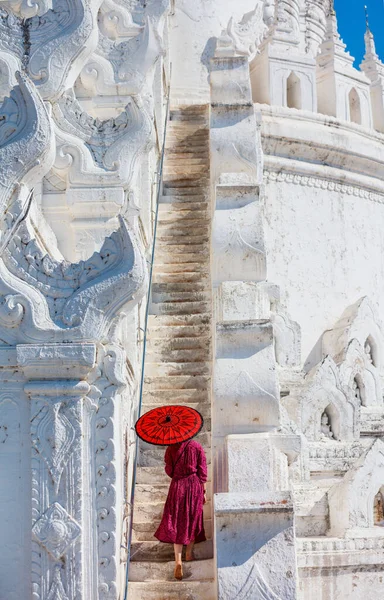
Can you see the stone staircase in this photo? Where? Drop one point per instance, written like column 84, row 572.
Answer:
column 178, row 362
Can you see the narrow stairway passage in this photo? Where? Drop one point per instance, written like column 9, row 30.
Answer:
column 178, row 361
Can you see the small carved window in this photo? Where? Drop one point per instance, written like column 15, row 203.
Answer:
column 293, row 91
column 378, row 509
column 354, row 107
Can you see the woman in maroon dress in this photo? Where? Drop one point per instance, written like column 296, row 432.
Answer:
column 182, row 521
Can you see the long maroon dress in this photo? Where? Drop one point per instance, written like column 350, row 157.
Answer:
column 182, row 521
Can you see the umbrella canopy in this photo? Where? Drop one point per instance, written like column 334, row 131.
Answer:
column 169, row 425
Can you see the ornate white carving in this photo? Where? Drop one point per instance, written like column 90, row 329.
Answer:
column 61, row 296
column 53, row 435
column 361, row 322
column 28, row 8
column 53, row 47
column 316, row 24
column 57, row 591
column 243, row 38
column 351, row 502
column 324, row 184
column 56, row 530
column 89, row 148
column 26, row 141
column 359, row 374
column 116, row 22
column 323, row 391
column 124, row 68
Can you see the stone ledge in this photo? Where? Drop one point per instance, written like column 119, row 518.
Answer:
column 244, row 502
column 56, row 361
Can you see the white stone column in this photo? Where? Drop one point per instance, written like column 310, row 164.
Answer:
column 63, row 552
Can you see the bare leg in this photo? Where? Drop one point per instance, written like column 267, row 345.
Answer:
column 178, row 548
column 189, row 551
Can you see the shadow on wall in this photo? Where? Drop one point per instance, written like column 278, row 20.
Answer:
column 208, row 53
column 315, row 356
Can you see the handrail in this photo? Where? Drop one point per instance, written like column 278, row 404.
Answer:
column 159, row 191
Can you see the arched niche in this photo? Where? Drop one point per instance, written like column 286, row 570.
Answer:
column 360, row 322
column 294, row 91
column 371, row 350
column 354, row 106
column 330, row 423
column 358, row 389
column 352, row 501
column 378, row 508
column 324, row 392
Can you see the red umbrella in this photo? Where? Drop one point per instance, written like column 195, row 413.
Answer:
column 169, row 425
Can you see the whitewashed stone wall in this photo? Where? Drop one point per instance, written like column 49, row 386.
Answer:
column 83, row 86
column 319, row 234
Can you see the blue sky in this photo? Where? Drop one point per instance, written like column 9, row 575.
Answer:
column 351, row 20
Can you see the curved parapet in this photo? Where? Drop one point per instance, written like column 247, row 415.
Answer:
column 50, row 300
column 53, row 44
column 26, row 140
column 111, row 145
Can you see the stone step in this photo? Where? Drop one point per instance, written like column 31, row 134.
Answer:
column 186, row 167
column 191, row 396
column 172, row 590
column 177, row 297
column 163, row 249
column 189, row 109
column 175, row 207
column 157, row 475
column 196, row 181
column 144, row 532
column 186, row 239
column 185, row 144
column 183, row 258
column 197, row 570
column 202, row 197
column 188, row 117
column 187, row 151
column 204, row 408
column 195, row 216
column 180, row 308
column 189, row 159
column 177, row 332
column 166, row 344
column 188, row 123
column 179, row 320
column 182, row 268
column 159, row 552
column 183, row 228
column 178, row 355
column 178, row 368
column 164, row 278
column 182, row 179
column 179, row 286
column 187, row 134
column 173, row 190
column 177, row 382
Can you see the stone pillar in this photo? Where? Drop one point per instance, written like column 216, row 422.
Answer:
column 63, row 544
column 254, row 533
column 255, row 546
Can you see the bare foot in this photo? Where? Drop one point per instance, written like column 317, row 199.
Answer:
column 179, row 572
